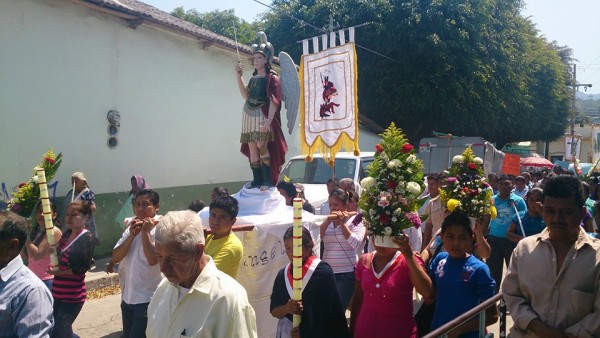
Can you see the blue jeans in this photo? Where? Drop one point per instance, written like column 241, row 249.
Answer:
column 345, row 285
column 64, row 315
column 48, row 283
column 135, row 319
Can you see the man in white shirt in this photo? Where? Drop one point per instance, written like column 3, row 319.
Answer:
column 139, row 271
column 195, row 299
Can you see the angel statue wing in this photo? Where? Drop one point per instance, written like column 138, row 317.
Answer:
column 290, row 88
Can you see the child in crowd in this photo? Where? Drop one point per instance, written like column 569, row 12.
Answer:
column 222, row 244
column 460, row 280
column 529, row 220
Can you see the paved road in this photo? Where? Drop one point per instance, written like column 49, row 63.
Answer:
column 100, row 318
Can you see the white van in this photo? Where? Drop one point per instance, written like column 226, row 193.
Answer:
column 314, row 175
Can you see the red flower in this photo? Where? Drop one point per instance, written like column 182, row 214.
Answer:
column 22, row 184
column 392, row 184
column 472, row 166
column 407, row 148
column 379, row 148
column 474, row 192
column 384, row 219
column 49, row 160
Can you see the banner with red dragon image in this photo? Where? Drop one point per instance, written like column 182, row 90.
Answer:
column 329, row 104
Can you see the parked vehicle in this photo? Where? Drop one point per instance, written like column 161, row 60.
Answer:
column 437, row 153
column 314, row 175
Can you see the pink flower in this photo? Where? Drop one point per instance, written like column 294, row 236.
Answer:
column 451, row 180
column 413, row 218
column 383, row 202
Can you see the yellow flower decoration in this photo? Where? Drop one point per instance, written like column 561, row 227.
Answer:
column 493, row 212
column 453, row 204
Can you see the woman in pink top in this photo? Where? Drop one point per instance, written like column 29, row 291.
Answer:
column 382, row 301
column 37, row 248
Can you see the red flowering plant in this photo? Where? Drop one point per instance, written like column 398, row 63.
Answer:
column 465, row 189
column 394, row 181
column 26, row 194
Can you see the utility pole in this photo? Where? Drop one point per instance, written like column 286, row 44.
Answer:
column 575, row 86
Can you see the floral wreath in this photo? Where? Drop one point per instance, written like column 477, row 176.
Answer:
column 465, row 188
column 26, row 194
column 394, row 181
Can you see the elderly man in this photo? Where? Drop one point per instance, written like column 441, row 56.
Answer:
column 26, row 303
column 552, row 288
column 195, row 299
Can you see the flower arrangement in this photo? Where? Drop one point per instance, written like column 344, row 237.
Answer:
column 26, row 194
column 394, row 181
column 465, row 188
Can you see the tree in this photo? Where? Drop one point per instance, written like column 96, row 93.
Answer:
column 221, row 22
column 473, row 67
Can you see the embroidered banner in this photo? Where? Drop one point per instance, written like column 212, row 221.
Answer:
column 329, row 103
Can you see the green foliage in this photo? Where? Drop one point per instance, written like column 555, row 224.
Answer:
column 392, row 186
column 465, row 188
column 221, row 22
column 26, row 194
column 474, row 67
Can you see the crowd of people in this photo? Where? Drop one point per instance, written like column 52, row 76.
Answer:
column 177, row 281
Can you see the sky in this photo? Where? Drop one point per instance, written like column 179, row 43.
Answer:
column 573, row 23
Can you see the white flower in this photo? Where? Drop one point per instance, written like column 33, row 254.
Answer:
column 394, row 219
column 368, row 182
column 398, row 212
column 387, row 231
column 411, row 158
column 393, row 164
column 35, row 179
column 458, row 159
column 372, row 213
column 478, row 160
column 413, row 188
column 14, row 200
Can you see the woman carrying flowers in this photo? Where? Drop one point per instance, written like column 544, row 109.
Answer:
column 37, row 248
column 341, row 239
column 382, row 301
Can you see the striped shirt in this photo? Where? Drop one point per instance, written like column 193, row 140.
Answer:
column 78, row 258
column 339, row 252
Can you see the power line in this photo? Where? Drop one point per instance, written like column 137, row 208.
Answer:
column 321, row 30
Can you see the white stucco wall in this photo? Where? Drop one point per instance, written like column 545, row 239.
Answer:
column 63, row 67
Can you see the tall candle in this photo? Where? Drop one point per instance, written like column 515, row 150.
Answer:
column 297, row 257
column 48, row 223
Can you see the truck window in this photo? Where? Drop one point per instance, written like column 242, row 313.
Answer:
column 317, row 171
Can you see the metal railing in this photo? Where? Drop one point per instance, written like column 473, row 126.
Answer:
column 479, row 310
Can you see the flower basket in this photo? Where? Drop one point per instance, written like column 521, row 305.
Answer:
column 390, row 191
column 465, row 188
column 26, row 194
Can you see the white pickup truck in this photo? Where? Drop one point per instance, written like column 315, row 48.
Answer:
column 314, row 175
